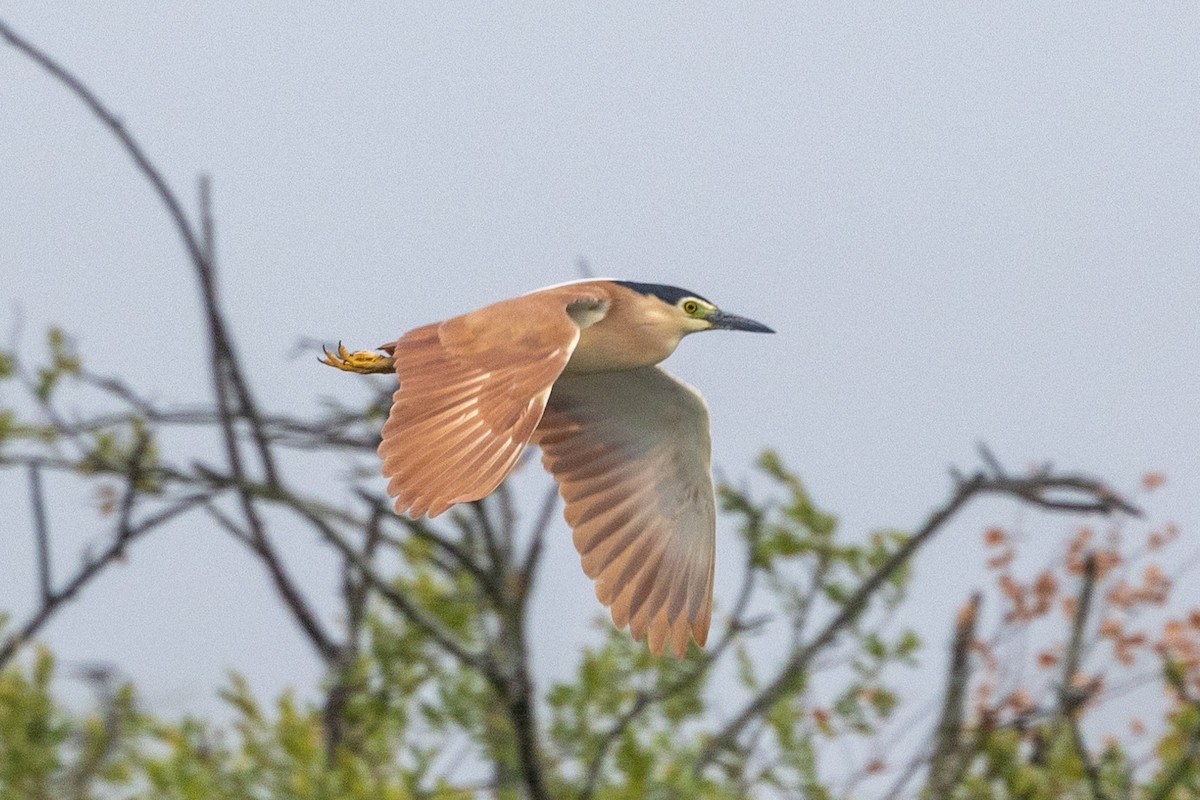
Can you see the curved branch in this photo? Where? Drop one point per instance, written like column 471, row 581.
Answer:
column 190, row 241
column 1033, row 489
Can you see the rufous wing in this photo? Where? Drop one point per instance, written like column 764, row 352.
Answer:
column 472, row 390
column 631, row 453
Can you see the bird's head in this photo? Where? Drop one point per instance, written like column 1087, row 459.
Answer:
column 690, row 311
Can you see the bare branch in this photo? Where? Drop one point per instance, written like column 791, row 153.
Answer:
column 117, row 388
column 208, row 235
column 230, row 526
column 41, row 531
column 1071, row 695
column 459, row 555
column 355, row 592
column 261, row 544
column 989, row 459
column 1038, row 490
column 292, row 597
column 225, row 368
column 405, row 605
column 491, row 541
column 354, row 586
column 949, row 759
column 114, row 124
column 227, row 372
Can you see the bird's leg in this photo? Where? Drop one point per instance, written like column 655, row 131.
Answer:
column 361, row 361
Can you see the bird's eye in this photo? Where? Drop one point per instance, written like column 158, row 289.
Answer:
column 690, row 306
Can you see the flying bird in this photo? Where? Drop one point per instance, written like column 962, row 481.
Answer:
column 572, row 369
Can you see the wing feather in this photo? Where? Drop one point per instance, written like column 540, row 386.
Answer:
column 472, row 391
column 630, row 452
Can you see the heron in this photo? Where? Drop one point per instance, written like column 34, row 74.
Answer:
column 572, row 368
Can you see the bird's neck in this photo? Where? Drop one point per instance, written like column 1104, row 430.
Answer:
column 616, row 342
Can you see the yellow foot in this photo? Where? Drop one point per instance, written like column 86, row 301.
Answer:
column 362, row 361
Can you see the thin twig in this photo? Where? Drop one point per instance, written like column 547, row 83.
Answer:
column 355, row 592
column 117, row 388
column 1034, row 490
column 225, row 370
column 41, row 531
column 133, row 478
column 537, row 537
column 231, row 527
column 461, row 557
column 355, row 587
column 495, row 549
column 110, row 120
column 326, row 432
column 90, row 569
column 989, row 459
column 226, row 366
column 399, row 600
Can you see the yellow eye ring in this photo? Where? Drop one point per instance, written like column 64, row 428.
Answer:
column 690, row 306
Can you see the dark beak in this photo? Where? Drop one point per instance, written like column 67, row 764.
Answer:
column 732, row 322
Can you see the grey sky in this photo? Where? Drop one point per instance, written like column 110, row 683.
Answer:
column 966, row 222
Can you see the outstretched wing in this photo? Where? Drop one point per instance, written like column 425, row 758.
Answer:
column 630, row 451
column 472, row 390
